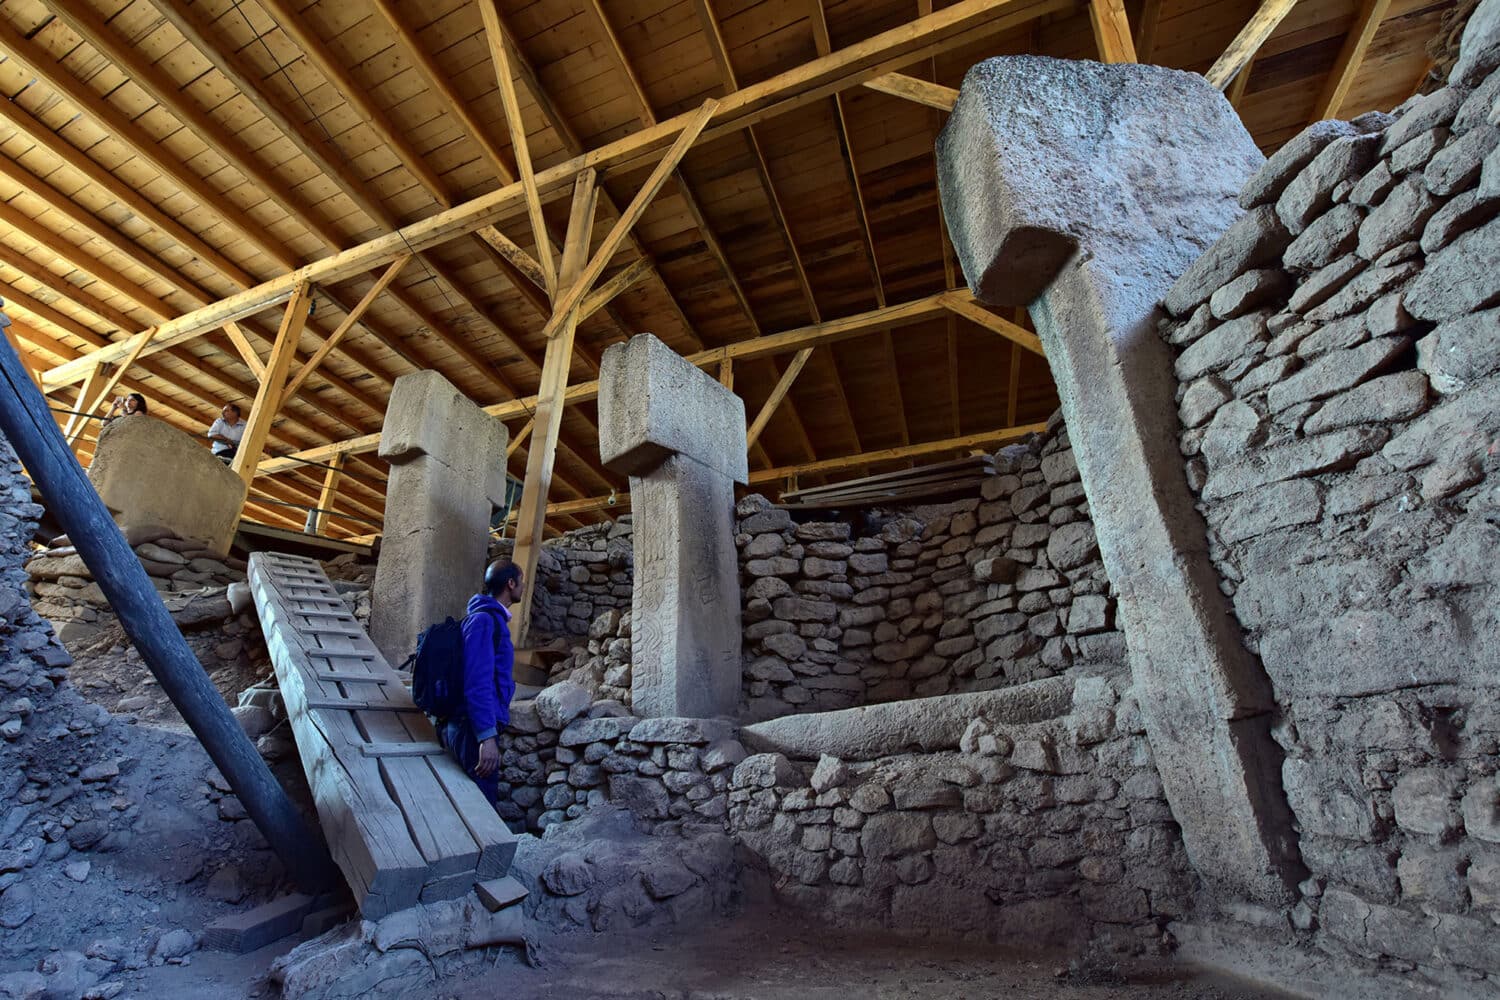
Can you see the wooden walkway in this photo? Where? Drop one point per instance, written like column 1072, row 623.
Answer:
column 403, row 821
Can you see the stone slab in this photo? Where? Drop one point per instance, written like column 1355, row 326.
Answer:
column 447, row 474
column 148, row 473
column 654, row 403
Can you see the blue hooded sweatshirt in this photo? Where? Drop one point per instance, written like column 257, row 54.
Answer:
column 489, row 662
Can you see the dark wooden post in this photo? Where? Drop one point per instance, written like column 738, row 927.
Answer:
column 71, row 497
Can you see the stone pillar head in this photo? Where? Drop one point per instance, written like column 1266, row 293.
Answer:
column 680, row 436
column 1044, row 159
column 447, row 475
column 428, row 416
column 653, row 403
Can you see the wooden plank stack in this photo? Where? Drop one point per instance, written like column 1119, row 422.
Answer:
column 959, row 477
column 402, row 820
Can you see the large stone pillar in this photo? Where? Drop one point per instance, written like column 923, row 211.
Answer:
column 447, row 475
column 680, row 437
column 1083, row 191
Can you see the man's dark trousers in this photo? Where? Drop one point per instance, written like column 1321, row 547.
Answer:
column 458, row 737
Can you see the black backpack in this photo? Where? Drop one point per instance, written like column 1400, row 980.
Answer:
column 437, row 668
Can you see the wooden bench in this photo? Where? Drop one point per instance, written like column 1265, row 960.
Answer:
column 402, row 820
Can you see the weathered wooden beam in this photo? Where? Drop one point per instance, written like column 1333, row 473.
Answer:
column 1248, row 42
column 726, row 373
column 248, row 354
column 965, row 306
column 628, row 218
column 88, row 398
column 519, row 438
column 912, row 89
column 317, row 519
column 956, row 25
column 1346, row 68
column 623, row 279
column 532, row 517
column 1145, row 30
column 784, row 386
column 1111, row 31
column 268, row 399
column 352, row 317
column 507, row 84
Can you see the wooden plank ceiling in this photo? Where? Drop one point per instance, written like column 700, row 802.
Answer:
column 159, row 155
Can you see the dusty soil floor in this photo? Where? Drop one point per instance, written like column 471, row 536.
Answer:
column 778, row 957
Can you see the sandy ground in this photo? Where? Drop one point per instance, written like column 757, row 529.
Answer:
column 777, row 957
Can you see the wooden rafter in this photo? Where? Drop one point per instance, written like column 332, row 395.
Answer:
column 1346, row 68
column 1111, row 31
column 269, row 397
column 910, row 88
column 1145, row 30
column 1248, row 42
column 965, row 306
column 848, row 67
column 784, row 386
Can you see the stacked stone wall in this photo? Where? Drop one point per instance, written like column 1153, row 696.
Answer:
column 1051, row 831
column 1339, row 368
column 970, row 595
column 564, row 753
column 985, row 592
column 582, row 575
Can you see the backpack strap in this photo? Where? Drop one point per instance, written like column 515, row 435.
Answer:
column 498, row 623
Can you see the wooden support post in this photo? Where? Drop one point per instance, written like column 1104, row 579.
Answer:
column 381, row 284
column 1014, row 388
column 268, row 398
column 318, row 519
column 726, row 373
column 1112, row 31
column 1248, row 42
column 1236, row 91
column 1145, row 30
column 72, row 500
column 784, row 386
column 563, row 309
column 114, row 380
column 520, row 438
column 1356, row 44
column 531, row 520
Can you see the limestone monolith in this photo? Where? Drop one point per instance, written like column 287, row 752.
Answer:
column 1083, row 191
column 680, row 437
column 447, row 476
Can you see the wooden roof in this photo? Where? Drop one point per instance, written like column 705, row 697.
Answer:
column 162, row 155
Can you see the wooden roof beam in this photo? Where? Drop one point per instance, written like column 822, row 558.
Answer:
column 959, row 24
column 1111, row 31
column 770, row 345
column 824, row 45
column 1351, row 55
column 1248, row 42
column 963, row 304
column 910, row 88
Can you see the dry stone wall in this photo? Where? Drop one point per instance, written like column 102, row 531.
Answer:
column 1049, row 831
column 565, row 753
column 979, row 593
column 1339, row 367
column 970, row 595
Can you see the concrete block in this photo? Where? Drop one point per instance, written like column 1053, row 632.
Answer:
column 654, row 403
column 148, row 473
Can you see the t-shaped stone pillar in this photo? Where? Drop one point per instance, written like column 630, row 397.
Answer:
column 1083, row 191
column 680, row 437
column 447, row 475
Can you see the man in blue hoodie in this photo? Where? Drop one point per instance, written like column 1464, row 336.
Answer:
column 489, row 683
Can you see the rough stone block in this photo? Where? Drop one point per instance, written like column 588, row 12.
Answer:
column 149, row 473
column 654, row 403
column 447, row 461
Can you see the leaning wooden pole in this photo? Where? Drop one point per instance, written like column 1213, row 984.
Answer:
column 71, row 497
